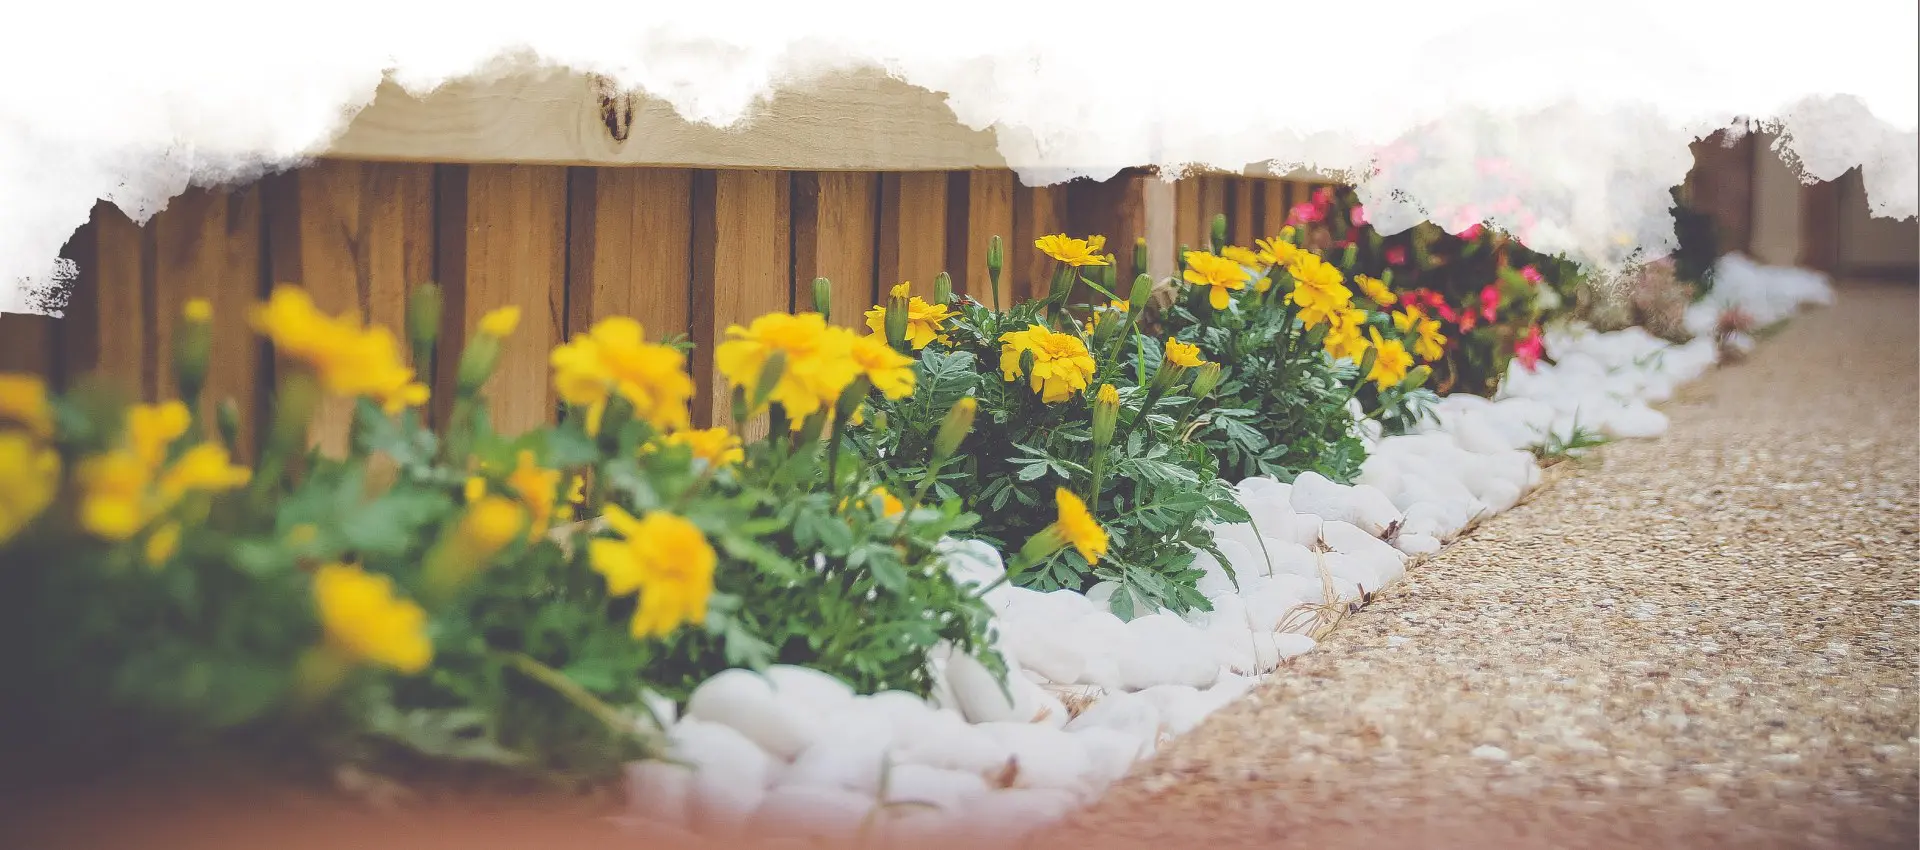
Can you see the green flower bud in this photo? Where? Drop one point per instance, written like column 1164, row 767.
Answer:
column 1367, row 361
column 1026, row 364
column 1141, row 294
column 1106, row 416
column 1042, row 545
column 955, row 427
column 823, row 297
column 1180, row 260
column 1140, row 255
column 896, row 322
column 1219, row 234
column 1109, row 273
column 1205, row 379
column 770, row 374
column 996, row 258
column 477, row 363
column 193, row 349
column 942, row 288
column 226, row 417
column 1348, row 257
column 423, row 322
column 1416, row 378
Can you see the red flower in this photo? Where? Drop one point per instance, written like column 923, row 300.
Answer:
column 1396, row 256
column 1530, row 349
column 1322, row 196
column 1472, row 232
column 1358, row 216
column 1532, row 275
column 1303, row 214
column 1490, row 301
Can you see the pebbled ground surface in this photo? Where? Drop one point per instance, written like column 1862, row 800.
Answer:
column 1703, row 641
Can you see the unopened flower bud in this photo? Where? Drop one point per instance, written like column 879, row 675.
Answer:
column 193, row 349
column 942, row 288
column 996, row 258
column 823, row 297
column 1348, row 257
column 955, row 427
column 1367, row 361
column 1416, row 378
column 1106, row 415
column 1205, row 379
column 1142, row 292
column 423, row 321
column 1140, row 255
column 1219, row 234
column 896, row 323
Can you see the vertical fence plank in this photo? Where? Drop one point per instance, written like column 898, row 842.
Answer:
column 502, row 241
column 628, row 248
column 1037, row 211
column 1214, row 200
column 357, row 236
column 1160, row 200
column 27, row 345
column 1189, row 224
column 834, row 232
column 1272, row 206
column 1240, row 218
column 1117, row 209
column 913, row 229
column 742, row 267
column 206, row 244
column 108, row 326
column 989, row 213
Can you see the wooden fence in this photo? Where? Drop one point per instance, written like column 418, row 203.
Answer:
column 685, row 250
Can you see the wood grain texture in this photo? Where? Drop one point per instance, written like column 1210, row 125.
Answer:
column 989, row 213
column 207, row 244
column 109, row 322
column 742, row 268
column 1189, row 225
column 834, row 232
column 1240, row 218
column 1037, row 211
column 358, row 237
column 913, row 230
column 1159, row 198
column 501, row 240
column 629, row 248
column 27, row 345
column 1114, row 208
column 1270, row 208
column 855, row 121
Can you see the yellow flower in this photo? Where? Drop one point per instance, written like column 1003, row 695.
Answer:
column 348, row 360
column 1077, row 525
column 1317, row 289
column 613, row 357
column 819, row 364
column 204, row 469
column 365, row 620
column 1375, row 290
column 1114, row 306
column 538, row 489
column 1391, row 361
column 114, row 485
column 490, row 524
column 500, row 322
column 29, row 477
column 162, row 544
column 476, row 489
column 890, row 505
column 663, row 557
column 890, row 371
column 151, row 428
column 1074, row 252
column 1218, row 274
column 1108, row 395
column 1061, row 364
column 923, row 319
column 198, row 310
column 1243, row 256
column 1277, row 251
column 1183, row 353
column 716, row 446
column 23, row 401
column 577, row 491
column 1428, row 342
column 301, row 536
column 1344, row 337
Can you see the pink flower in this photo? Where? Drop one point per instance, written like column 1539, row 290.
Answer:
column 1322, row 196
column 1396, row 256
column 1358, row 216
column 1490, row 301
column 1303, row 214
column 1472, row 232
column 1532, row 275
column 1530, row 349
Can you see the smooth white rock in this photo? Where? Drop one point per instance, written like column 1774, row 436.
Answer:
column 1122, row 712
column 813, row 812
column 947, row 789
column 951, row 743
column 844, row 761
column 730, row 772
column 1417, row 544
column 1306, row 529
column 1269, row 599
column 1164, row 649
column 1181, row 707
column 1373, row 512
column 1291, row 644
column 1043, row 757
column 1314, row 494
column 745, row 701
column 661, row 791
column 1048, row 648
column 1014, row 812
column 1110, row 753
column 820, row 692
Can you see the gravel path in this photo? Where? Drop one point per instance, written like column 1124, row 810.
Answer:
column 1703, row 641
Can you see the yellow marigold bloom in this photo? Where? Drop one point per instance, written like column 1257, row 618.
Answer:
column 1108, row 395
column 665, row 559
column 1183, row 354
column 1074, row 252
column 162, row 544
column 1428, row 342
column 1375, row 290
column 577, row 491
column 538, row 489
column 114, row 485
column 819, row 360
column 500, row 322
column 347, row 359
column 890, row 505
column 717, row 446
column 23, row 401
column 490, row 524
column 614, row 357
column 29, row 477
column 202, row 469
column 1062, row 365
column 1277, row 251
column 1077, row 525
column 151, row 428
column 1391, row 361
column 1243, row 256
column 365, row 620
column 1317, row 290
column 475, row 490
column 198, row 310
column 1218, row 274
column 924, row 320
column 890, row 371
column 1344, row 337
